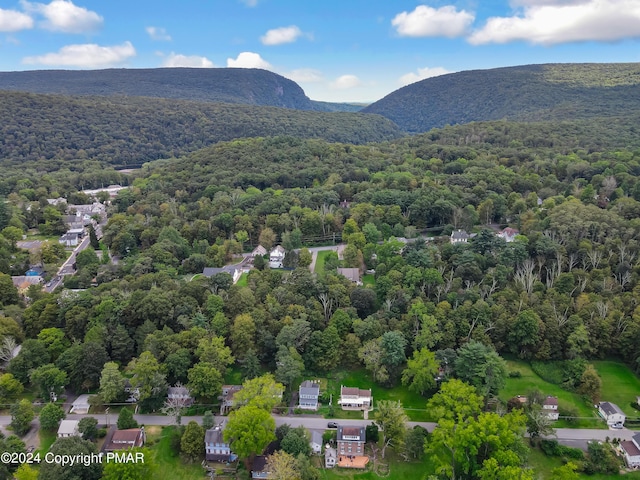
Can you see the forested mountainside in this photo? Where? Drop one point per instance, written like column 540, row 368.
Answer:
column 229, row 85
column 124, row 131
column 523, row 93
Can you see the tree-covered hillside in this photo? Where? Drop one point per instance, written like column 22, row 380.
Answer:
column 123, row 131
column 524, row 93
column 229, row 85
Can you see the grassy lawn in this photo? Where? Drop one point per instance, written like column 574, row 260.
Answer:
column 320, row 260
column 369, row 280
column 170, row 465
column 619, row 385
column 391, row 467
column 46, row 440
column 413, row 403
column 530, row 380
column 242, row 281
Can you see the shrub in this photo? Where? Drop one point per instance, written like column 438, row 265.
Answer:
column 515, row 374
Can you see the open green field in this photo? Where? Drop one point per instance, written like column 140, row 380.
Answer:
column 369, row 279
column 242, row 281
column 320, row 261
column 170, row 465
column 530, row 380
column 619, row 385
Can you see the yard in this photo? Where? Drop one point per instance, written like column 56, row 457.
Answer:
column 170, row 465
column 619, row 385
column 413, row 403
column 320, row 260
column 530, row 380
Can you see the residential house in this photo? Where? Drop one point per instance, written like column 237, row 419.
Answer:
column 259, row 467
column 352, row 274
column 133, row 393
column 259, row 251
column 550, row 407
column 611, row 413
column 216, row 448
column 276, row 257
column 508, row 234
column 355, row 399
column 350, row 445
column 459, row 236
column 23, row 282
column 180, row 395
column 227, row 401
column 125, row 439
column 330, row 457
column 316, row 441
column 69, row 239
column 232, row 270
column 68, row 428
column 308, row 394
column 631, row 451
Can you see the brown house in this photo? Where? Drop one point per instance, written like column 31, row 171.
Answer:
column 124, row 439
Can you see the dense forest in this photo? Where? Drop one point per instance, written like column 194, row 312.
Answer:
column 524, row 93
column 227, row 85
column 125, row 131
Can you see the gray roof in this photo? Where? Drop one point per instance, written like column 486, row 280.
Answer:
column 316, row 437
column 351, row 431
column 459, row 235
column 309, row 388
column 636, row 438
column 211, row 271
column 214, row 435
column 610, row 408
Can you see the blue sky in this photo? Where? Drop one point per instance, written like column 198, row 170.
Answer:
column 345, row 50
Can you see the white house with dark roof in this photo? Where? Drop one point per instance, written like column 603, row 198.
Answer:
column 308, row 394
column 352, row 398
column 611, row 413
column 180, row 394
column 216, row 448
column 232, row 270
column 631, row 451
column 459, row 236
column 316, row 442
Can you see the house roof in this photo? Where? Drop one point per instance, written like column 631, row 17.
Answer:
column 20, row 280
column 316, row 437
column 309, row 388
column 354, row 391
column 259, row 463
column 211, row 271
column 129, row 435
column 636, row 438
column 510, row 232
column 459, row 235
column 259, row 250
column 214, row 435
column 278, row 250
column 352, row 274
column 550, row 401
column 350, row 431
column 68, row 427
column 610, row 408
column 630, row 448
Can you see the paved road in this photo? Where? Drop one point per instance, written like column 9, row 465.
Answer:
column 567, row 436
column 67, row 266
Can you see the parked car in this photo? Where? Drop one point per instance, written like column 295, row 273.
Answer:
column 332, row 425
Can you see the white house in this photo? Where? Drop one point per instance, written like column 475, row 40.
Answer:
column 631, row 451
column 330, row 456
column 611, row 413
column 180, row 395
column 316, row 442
column 69, row 239
column 355, row 399
column 68, row 428
column 550, row 407
column 259, row 251
column 232, row 270
column 459, row 236
column 276, row 257
column 308, row 394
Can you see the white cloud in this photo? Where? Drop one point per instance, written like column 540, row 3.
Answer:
column 14, row 21
column 191, row 61
column 423, row 73
column 281, row 35
column 249, row 60
column 345, row 81
column 249, row 3
column 64, row 16
column 85, row 56
column 426, row 21
column 304, row 75
column 158, row 33
column 549, row 23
